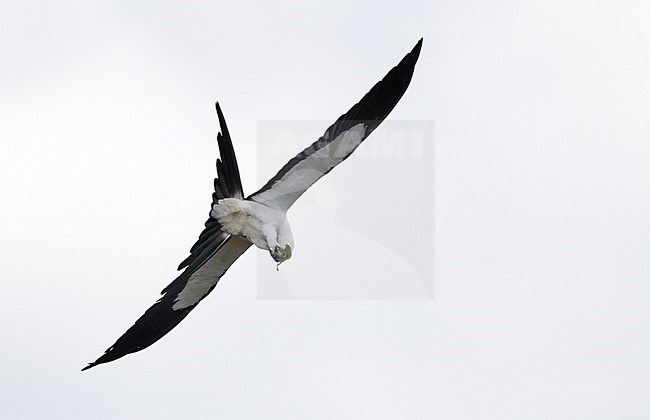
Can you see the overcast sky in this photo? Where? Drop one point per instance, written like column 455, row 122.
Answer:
column 525, row 297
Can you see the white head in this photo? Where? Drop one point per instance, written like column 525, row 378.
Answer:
column 281, row 250
column 266, row 227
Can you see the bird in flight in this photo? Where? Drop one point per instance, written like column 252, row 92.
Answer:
column 237, row 222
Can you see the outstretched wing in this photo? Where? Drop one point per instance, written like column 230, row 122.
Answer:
column 210, row 257
column 340, row 139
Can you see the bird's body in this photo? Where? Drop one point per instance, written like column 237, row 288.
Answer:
column 237, row 222
column 265, row 227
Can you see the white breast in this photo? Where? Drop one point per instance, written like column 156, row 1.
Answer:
column 263, row 226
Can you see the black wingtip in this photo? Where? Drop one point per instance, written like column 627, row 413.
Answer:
column 415, row 52
column 418, row 46
column 104, row 358
column 219, row 113
column 93, row 364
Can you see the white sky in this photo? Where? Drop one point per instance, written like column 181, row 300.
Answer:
column 107, row 147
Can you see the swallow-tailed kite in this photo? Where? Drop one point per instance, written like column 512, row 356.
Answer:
column 236, row 222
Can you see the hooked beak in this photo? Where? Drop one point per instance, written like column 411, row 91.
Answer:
column 280, row 255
